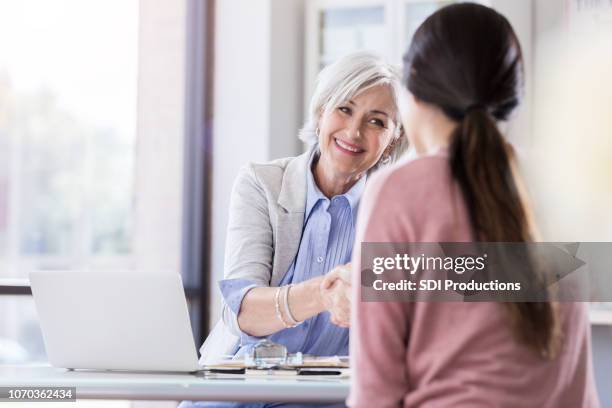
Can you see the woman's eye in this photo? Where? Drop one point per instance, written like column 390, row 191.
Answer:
column 344, row 109
column 378, row 123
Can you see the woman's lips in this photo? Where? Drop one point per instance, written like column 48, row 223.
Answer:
column 347, row 148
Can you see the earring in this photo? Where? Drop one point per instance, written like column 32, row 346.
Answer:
column 386, row 158
column 317, row 132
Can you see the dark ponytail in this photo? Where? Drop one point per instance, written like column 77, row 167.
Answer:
column 466, row 59
column 481, row 162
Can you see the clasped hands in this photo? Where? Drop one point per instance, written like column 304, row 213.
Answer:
column 335, row 292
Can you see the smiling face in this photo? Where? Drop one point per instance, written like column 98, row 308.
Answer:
column 354, row 135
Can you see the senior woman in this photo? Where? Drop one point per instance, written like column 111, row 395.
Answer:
column 292, row 221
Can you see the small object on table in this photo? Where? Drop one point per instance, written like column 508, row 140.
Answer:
column 266, row 354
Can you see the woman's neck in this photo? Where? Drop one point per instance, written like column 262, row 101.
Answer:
column 330, row 183
column 434, row 133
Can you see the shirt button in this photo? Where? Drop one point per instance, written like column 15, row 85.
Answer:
column 320, row 259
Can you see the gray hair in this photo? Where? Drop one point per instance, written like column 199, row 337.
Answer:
column 346, row 78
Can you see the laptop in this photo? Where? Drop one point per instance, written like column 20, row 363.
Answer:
column 114, row 320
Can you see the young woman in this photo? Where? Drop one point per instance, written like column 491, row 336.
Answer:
column 463, row 72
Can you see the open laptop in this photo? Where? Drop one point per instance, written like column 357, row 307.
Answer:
column 114, row 320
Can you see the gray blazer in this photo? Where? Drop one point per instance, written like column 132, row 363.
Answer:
column 266, row 217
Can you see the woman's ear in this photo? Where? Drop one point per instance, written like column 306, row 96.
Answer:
column 400, row 133
column 390, row 146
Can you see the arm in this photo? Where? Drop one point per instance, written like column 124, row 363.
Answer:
column 379, row 330
column 258, row 312
column 248, row 246
column 258, row 317
column 379, row 335
column 249, row 305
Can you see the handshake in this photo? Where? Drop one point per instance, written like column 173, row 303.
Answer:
column 335, row 294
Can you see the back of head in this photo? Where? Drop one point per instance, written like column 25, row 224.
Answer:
column 466, row 60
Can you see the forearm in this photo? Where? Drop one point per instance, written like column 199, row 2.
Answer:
column 258, row 316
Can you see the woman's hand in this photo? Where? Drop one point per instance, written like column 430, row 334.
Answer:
column 335, row 291
column 331, row 292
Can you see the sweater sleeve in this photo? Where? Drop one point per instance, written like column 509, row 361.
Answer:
column 379, row 330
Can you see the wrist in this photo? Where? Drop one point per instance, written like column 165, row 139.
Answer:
column 320, row 291
column 318, row 294
column 312, row 295
column 290, row 317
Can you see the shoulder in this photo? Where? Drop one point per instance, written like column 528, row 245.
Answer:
column 268, row 175
column 272, row 169
column 421, row 178
column 417, row 200
column 280, row 181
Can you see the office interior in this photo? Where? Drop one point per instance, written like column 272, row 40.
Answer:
column 124, row 123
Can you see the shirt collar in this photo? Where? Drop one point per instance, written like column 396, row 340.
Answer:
column 354, row 194
column 314, row 194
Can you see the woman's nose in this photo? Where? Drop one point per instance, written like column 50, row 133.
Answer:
column 353, row 129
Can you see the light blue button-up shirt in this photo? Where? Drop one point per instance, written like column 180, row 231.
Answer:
column 327, row 241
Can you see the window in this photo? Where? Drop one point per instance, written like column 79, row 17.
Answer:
column 68, row 134
column 94, row 126
column 347, row 30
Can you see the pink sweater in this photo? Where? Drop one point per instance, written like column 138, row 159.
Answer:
column 449, row 354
